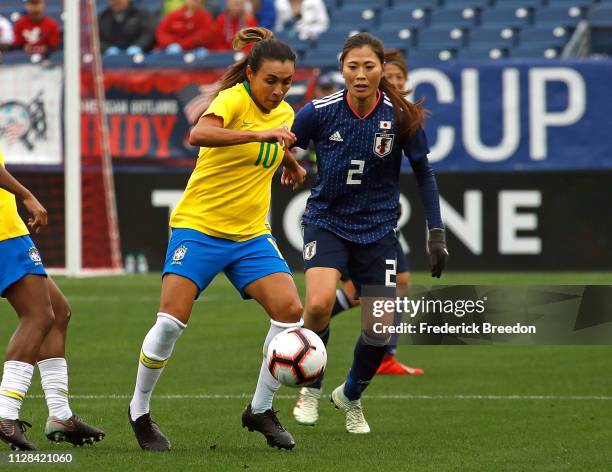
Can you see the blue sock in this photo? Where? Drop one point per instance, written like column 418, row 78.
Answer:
column 391, row 348
column 366, row 360
column 324, row 335
column 341, row 304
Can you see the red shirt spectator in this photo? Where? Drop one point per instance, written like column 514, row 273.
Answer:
column 190, row 27
column 35, row 32
column 230, row 22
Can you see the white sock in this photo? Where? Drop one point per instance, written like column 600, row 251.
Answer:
column 267, row 385
column 156, row 349
column 54, row 381
column 16, row 381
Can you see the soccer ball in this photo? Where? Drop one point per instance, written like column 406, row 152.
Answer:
column 296, row 357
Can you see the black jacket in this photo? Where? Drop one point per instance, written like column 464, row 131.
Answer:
column 136, row 29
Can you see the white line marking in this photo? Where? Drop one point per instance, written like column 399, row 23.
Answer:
column 240, row 396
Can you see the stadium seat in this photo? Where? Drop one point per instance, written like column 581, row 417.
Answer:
column 429, row 54
column 572, row 3
column 161, row 59
column 453, row 38
column 294, row 42
column 218, row 59
column 480, row 52
column 365, row 3
column 120, row 60
column 453, row 18
column 325, row 58
column 601, row 15
column 519, row 3
column 412, row 4
column 154, row 6
column 504, row 17
column 558, row 16
column 544, row 37
column 532, row 52
column 492, row 38
column 354, row 17
column 463, row 4
column 333, row 37
column 396, row 39
column 15, row 57
column 54, row 8
column 403, row 16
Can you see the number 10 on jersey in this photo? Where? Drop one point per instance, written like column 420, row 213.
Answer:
column 264, row 155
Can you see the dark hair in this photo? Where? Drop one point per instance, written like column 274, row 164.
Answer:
column 409, row 116
column 266, row 47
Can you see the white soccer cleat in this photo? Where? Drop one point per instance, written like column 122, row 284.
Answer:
column 306, row 410
column 355, row 421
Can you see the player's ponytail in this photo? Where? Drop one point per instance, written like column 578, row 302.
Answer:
column 409, row 116
column 265, row 46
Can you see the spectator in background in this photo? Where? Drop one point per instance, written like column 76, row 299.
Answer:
column 234, row 18
column 189, row 27
column 214, row 7
column 35, row 32
column 328, row 83
column 7, row 36
column 124, row 26
column 265, row 13
column 172, row 5
column 306, row 18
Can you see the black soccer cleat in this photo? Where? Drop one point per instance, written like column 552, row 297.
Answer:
column 268, row 424
column 12, row 432
column 148, row 434
column 73, row 430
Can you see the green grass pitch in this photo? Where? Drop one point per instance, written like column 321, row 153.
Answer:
column 477, row 408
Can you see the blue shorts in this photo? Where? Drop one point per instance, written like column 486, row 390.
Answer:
column 365, row 264
column 200, row 258
column 402, row 263
column 19, row 258
column 402, row 259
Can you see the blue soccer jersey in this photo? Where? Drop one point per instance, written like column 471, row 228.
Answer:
column 356, row 193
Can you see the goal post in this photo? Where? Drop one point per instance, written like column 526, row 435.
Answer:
column 92, row 244
column 72, row 138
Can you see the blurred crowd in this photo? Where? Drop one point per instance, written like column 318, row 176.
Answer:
column 179, row 25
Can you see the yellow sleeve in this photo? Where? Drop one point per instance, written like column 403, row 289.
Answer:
column 225, row 105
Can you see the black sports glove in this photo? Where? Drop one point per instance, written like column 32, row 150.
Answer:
column 436, row 248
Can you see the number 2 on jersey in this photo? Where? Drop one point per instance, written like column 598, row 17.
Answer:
column 354, row 175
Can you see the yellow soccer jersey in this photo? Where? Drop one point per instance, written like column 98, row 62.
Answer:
column 228, row 194
column 11, row 224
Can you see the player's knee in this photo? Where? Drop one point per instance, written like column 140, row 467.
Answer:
column 62, row 311
column 319, row 306
column 288, row 311
column 45, row 319
column 169, row 325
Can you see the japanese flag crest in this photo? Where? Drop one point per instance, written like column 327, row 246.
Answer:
column 310, row 250
column 383, row 144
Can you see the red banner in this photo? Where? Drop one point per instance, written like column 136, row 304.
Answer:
column 150, row 112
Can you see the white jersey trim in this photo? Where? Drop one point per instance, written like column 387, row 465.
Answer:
column 328, row 97
column 323, row 105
